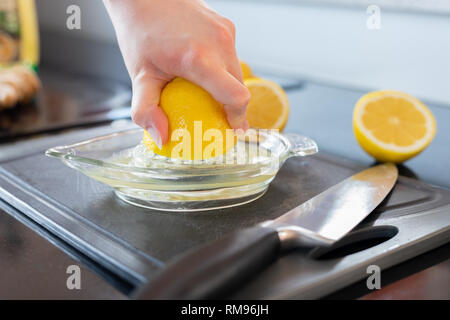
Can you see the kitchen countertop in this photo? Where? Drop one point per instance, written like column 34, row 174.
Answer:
column 34, row 265
column 48, row 255
column 324, row 113
column 33, row 258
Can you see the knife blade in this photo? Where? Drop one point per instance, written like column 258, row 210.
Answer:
column 219, row 267
column 331, row 214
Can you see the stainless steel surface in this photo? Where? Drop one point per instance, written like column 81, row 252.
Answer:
column 330, row 215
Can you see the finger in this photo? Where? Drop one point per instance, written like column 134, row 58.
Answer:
column 226, row 89
column 145, row 110
column 234, row 67
column 232, row 61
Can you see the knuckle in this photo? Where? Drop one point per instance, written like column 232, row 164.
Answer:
column 224, row 34
column 194, row 56
column 230, row 24
column 139, row 116
column 197, row 54
column 241, row 99
column 136, row 116
column 185, row 57
column 245, row 96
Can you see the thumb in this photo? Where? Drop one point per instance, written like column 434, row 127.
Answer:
column 145, row 110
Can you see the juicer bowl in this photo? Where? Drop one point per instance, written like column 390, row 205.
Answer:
column 145, row 179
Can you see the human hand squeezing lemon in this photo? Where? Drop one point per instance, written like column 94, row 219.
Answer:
column 182, row 62
column 162, row 40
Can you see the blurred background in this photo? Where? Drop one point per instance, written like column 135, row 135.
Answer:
column 326, row 55
column 325, row 41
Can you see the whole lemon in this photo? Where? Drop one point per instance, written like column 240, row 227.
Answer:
column 198, row 128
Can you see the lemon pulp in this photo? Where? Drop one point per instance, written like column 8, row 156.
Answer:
column 268, row 107
column 392, row 126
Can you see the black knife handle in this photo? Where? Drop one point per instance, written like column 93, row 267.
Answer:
column 212, row 271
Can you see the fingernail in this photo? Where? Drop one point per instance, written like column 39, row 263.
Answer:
column 155, row 136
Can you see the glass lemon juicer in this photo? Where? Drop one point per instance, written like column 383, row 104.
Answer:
column 144, row 179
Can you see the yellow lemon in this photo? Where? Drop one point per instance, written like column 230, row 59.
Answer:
column 392, row 126
column 269, row 105
column 246, row 71
column 198, row 128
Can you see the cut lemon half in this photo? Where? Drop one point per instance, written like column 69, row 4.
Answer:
column 268, row 107
column 392, row 126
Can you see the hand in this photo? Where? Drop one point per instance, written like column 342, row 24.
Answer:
column 160, row 40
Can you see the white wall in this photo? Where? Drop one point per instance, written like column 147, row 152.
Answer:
column 326, row 44
column 410, row 52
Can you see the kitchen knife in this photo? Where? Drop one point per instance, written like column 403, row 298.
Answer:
column 215, row 269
